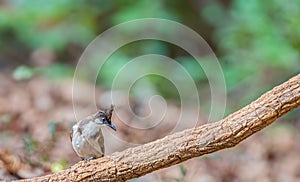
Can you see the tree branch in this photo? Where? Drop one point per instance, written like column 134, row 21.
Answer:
column 187, row 144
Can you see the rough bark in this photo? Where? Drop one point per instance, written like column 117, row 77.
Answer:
column 187, row 144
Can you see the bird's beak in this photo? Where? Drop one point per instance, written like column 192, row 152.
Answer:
column 112, row 127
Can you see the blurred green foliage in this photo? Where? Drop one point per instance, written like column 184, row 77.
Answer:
column 49, row 24
column 29, row 143
column 55, row 71
column 257, row 42
column 58, row 166
column 23, row 73
column 5, row 118
column 58, row 23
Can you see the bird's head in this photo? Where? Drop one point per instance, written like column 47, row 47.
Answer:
column 104, row 117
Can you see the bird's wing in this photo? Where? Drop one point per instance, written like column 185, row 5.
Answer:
column 96, row 142
column 71, row 135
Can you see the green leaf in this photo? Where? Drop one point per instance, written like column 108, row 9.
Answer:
column 23, row 73
column 183, row 170
column 56, row 71
column 58, row 166
column 29, row 143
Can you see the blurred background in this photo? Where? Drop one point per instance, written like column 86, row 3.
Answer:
column 257, row 44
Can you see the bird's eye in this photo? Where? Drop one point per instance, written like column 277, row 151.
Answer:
column 103, row 119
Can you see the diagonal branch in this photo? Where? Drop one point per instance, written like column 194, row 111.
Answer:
column 187, row 144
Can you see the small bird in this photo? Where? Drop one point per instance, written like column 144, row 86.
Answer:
column 86, row 136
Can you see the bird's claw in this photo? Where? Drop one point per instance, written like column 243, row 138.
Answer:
column 88, row 159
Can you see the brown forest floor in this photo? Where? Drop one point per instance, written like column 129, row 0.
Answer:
column 36, row 117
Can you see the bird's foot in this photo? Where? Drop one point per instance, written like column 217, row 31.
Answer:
column 88, row 159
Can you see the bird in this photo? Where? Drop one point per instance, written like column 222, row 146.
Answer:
column 86, row 135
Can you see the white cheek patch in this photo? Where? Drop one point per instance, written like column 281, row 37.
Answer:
column 97, row 120
column 75, row 127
